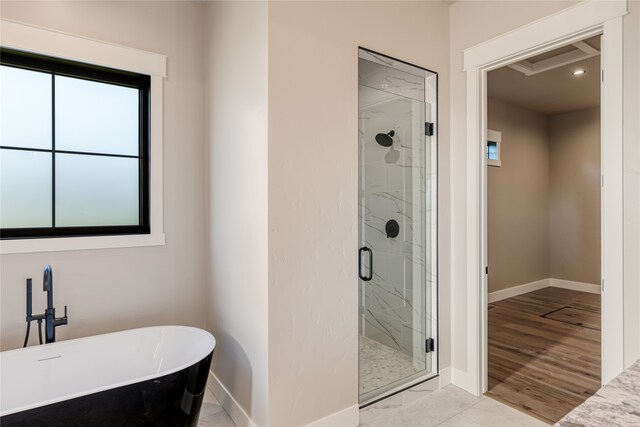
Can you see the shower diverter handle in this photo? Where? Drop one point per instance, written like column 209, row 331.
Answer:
column 370, row 252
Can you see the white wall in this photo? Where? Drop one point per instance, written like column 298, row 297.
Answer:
column 466, row 31
column 313, row 188
column 114, row 289
column 237, row 157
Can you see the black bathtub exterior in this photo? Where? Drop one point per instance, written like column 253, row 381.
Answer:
column 172, row 400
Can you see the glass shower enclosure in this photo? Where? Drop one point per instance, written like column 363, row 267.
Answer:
column 397, row 106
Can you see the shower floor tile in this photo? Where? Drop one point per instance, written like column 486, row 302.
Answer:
column 381, row 365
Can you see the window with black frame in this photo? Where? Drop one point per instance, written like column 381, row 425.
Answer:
column 74, row 148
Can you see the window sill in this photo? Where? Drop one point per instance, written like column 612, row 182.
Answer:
column 23, row 246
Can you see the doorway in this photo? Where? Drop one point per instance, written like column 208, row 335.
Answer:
column 544, row 230
column 397, row 120
column 584, row 20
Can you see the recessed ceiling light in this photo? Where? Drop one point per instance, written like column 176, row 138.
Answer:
column 579, row 72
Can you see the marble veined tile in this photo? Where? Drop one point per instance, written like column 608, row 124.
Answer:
column 460, row 421
column 383, row 328
column 386, row 78
column 448, row 407
column 431, row 409
column 380, row 408
column 491, row 413
column 404, row 419
column 380, row 298
column 445, row 403
column 615, row 405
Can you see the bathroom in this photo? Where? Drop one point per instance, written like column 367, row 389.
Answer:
column 255, row 214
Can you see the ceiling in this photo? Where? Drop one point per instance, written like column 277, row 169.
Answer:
column 553, row 91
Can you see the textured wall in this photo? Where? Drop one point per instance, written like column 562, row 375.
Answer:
column 518, row 198
column 237, row 156
column 496, row 18
column 113, row 289
column 313, row 188
column 574, row 196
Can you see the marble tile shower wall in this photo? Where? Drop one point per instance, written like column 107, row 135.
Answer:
column 377, row 73
column 394, row 188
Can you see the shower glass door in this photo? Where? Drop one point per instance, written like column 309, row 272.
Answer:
column 397, row 238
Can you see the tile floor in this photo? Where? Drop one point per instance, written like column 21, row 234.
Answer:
column 212, row 414
column 381, row 365
column 449, row 407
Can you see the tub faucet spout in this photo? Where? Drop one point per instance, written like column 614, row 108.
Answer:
column 51, row 321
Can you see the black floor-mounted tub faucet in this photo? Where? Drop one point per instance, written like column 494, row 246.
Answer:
column 51, row 322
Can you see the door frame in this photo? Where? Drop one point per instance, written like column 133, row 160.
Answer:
column 431, row 297
column 578, row 22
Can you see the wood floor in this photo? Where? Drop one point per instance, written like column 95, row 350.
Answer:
column 544, row 351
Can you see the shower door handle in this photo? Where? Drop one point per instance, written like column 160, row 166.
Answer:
column 370, row 276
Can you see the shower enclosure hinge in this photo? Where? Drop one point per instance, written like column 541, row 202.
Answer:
column 428, row 129
column 430, row 345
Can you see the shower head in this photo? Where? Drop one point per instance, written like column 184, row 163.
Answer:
column 385, row 139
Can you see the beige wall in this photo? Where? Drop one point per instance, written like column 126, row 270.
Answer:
column 114, row 289
column 497, row 17
column 313, row 188
column 574, row 196
column 312, row 351
column 237, row 156
column 297, row 363
column 310, row 187
column 518, row 198
column 543, row 203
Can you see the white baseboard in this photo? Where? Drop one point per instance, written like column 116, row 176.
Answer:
column 576, row 286
column 462, row 380
column 518, row 290
column 348, row 417
column 541, row 284
column 445, row 377
column 233, row 408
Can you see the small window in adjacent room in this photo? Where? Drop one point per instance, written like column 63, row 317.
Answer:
column 74, row 148
column 494, row 139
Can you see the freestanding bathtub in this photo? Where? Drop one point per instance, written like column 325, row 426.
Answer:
column 141, row 377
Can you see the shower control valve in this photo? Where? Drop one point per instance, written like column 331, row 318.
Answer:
column 392, row 228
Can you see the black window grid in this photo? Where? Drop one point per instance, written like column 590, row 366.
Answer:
column 61, row 67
